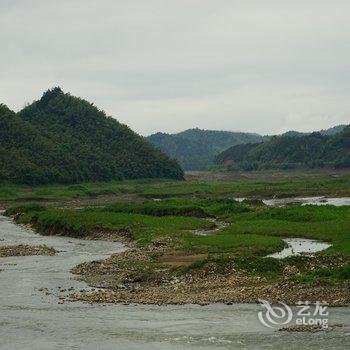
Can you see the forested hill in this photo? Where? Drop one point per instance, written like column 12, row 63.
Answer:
column 286, row 152
column 325, row 132
column 61, row 138
column 196, row 149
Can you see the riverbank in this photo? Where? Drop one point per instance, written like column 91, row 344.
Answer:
column 205, row 250
column 158, row 274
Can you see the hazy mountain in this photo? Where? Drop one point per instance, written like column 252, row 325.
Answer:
column 325, row 132
column 333, row 131
column 195, row 149
column 61, row 138
column 314, row 150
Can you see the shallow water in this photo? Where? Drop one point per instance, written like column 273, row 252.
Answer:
column 280, row 202
column 219, row 225
column 308, row 200
column 30, row 319
column 298, row 246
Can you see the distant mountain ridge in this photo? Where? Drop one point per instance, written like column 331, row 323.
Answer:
column 284, row 152
column 65, row 139
column 195, row 149
column 325, row 132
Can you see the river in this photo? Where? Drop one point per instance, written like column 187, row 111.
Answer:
column 33, row 317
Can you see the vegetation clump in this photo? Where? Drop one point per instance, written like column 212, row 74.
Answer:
column 180, row 207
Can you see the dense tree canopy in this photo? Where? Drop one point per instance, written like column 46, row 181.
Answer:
column 62, row 138
column 195, row 149
column 314, row 150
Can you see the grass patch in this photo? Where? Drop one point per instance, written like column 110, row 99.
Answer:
column 79, row 223
column 331, row 275
column 326, row 223
column 306, row 213
column 33, row 207
column 302, row 185
column 180, row 207
column 240, row 244
column 255, row 231
column 285, row 186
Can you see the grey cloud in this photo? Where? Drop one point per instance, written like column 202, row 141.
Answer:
column 261, row 66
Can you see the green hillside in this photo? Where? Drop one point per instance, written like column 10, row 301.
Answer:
column 285, row 152
column 337, row 149
column 196, row 149
column 25, row 154
column 65, row 139
column 325, row 132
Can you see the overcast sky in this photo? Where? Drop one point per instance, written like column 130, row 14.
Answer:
column 168, row 65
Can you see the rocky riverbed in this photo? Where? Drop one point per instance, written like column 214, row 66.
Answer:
column 25, row 250
column 132, row 277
